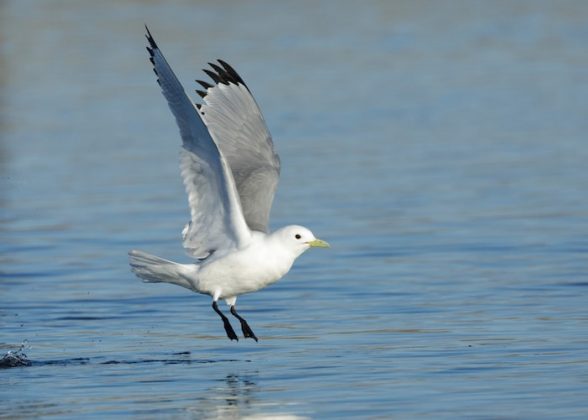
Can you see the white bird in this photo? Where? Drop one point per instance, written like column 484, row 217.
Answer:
column 230, row 171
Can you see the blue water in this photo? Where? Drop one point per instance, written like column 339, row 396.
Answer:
column 439, row 147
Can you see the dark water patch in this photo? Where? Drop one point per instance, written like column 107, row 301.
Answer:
column 170, row 361
column 24, row 274
column 573, row 284
column 85, row 318
column 19, row 359
column 385, row 331
column 141, row 311
column 471, row 369
column 15, row 249
column 76, row 361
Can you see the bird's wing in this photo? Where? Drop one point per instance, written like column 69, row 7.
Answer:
column 237, row 125
column 217, row 220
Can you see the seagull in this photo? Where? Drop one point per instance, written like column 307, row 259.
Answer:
column 230, row 171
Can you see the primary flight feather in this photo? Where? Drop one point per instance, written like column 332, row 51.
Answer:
column 230, row 170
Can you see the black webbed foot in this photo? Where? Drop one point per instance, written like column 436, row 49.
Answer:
column 228, row 327
column 229, row 330
column 247, row 331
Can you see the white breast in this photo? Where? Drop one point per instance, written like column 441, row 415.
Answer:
column 252, row 268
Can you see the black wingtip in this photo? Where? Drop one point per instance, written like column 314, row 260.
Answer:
column 231, row 72
column 224, row 74
column 221, row 73
column 204, row 84
column 152, row 46
column 150, row 38
column 212, row 75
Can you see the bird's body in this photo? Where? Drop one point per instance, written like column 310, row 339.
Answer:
column 259, row 264
column 230, row 171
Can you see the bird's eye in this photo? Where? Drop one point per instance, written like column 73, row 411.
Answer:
column 297, row 236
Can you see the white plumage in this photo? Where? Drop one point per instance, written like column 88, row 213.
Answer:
column 230, row 171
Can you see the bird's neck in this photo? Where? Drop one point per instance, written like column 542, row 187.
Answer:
column 277, row 250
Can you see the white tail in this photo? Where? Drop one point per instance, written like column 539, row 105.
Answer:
column 153, row 269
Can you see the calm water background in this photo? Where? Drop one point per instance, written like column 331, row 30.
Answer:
column 440, row 147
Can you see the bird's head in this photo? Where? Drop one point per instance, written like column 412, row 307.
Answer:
column 299, row 239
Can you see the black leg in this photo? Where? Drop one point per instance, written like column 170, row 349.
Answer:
column 228, row 328
column 247, row 332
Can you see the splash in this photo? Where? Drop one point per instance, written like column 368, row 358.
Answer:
column 15, row 358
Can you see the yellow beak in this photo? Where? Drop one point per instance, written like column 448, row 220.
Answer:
column 318, row 243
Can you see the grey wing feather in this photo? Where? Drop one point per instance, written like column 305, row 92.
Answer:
column 238, row 127
column 217, row 220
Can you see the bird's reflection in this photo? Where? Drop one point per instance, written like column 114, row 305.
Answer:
column 231, row 398
column 239, row 391
column 236, row 397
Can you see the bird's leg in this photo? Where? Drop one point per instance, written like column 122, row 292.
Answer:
column 247, row 332
column 228, row 328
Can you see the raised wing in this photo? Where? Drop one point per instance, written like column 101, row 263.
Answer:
column 237, row 126
column 217, row 220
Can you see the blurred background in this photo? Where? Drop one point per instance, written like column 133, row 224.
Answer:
column 439, row 146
